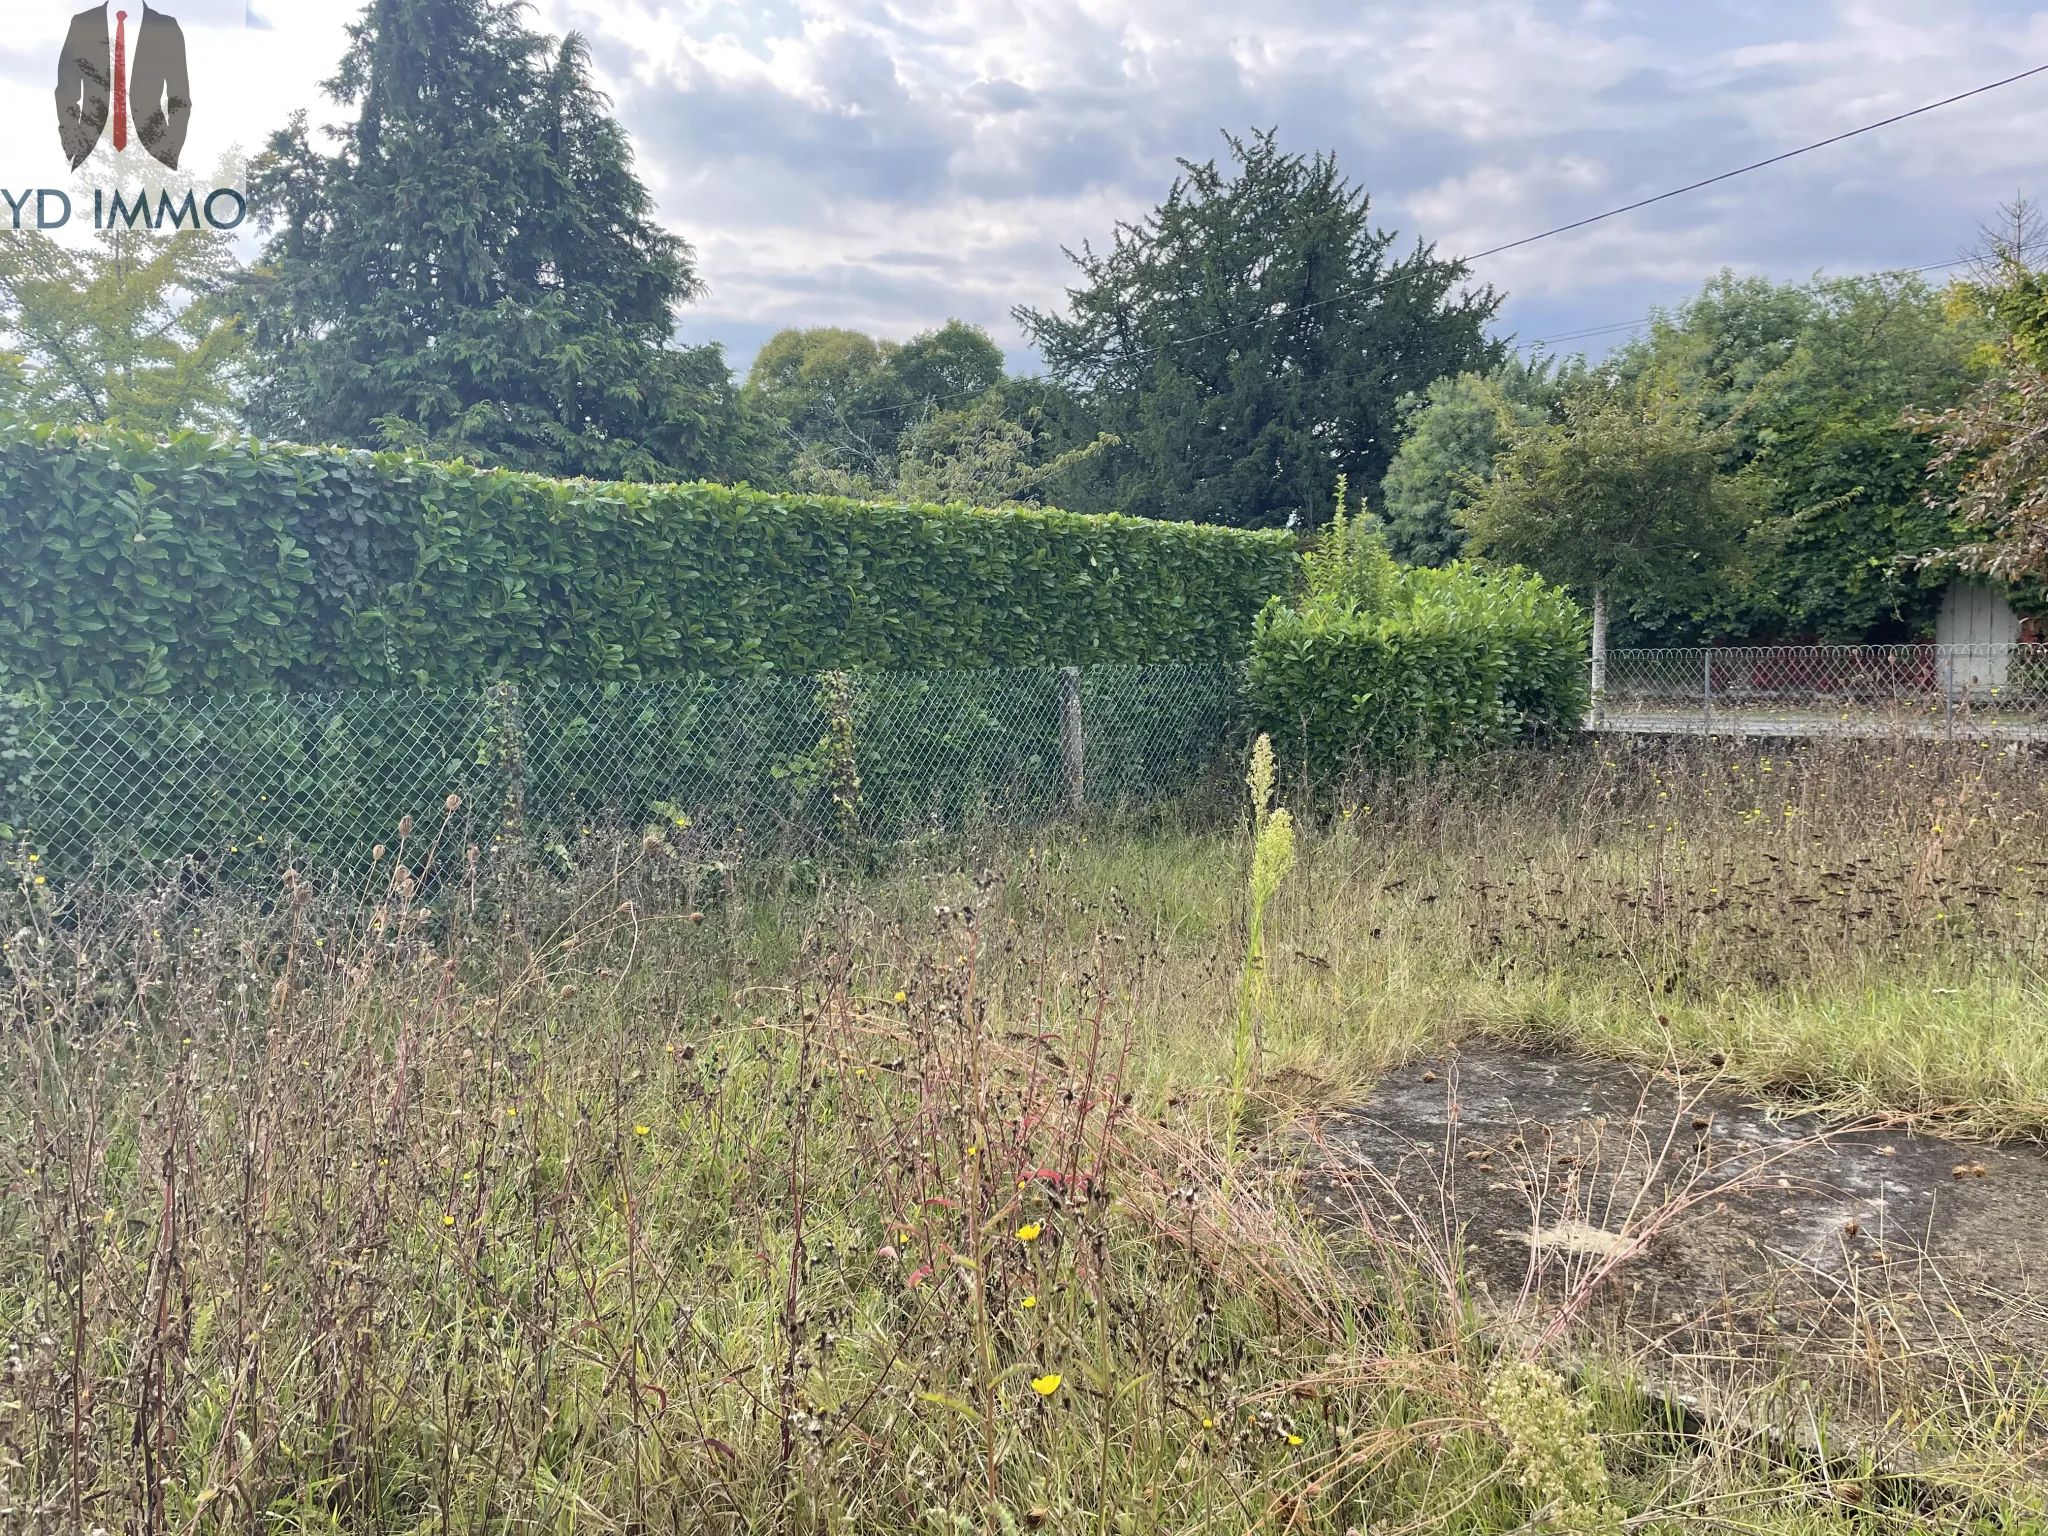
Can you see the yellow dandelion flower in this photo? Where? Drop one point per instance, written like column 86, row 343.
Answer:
column 447, row 1221
column 1045, row 1386
column 1030, row 1301
column 1294, row 1439
column 1208, row 1423
column 640, row 1130
column 1028, row 1233
column 902, row 997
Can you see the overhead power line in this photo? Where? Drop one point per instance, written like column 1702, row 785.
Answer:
column 1591, row 330
column 1757, row 165
column 1631, row 325
column 1495, row 250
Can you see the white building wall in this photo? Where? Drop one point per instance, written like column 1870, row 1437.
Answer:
column 1976, row 615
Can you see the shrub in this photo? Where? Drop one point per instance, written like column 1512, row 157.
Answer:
column 137, row 567
column 1453, row 660
column 1350, row 563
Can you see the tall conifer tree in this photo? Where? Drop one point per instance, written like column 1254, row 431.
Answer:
column 1252, row 338
column 476, row 270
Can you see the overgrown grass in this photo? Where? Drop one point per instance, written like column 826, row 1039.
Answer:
column 668, row 1198
column 1859, row 924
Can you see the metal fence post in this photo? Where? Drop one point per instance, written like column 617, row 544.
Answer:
column 1072, row 751
column 1707, row 687
column 1948, row 697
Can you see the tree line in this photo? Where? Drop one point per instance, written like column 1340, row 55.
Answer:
column 467, row 264
column 1766, row 461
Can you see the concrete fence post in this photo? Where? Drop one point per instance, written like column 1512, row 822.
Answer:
column 1599, row 710
column 1072, row 752
column 511, row 723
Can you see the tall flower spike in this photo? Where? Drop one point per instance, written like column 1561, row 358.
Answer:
column 1260, row 780
column 1272, row 857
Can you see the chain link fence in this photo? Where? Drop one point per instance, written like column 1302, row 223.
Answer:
column 1811, row 689
column 779, row 763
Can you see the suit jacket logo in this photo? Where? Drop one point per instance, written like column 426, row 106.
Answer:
column 158, row 92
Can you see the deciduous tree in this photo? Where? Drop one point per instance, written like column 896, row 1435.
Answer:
column 1626, row 494
column 990, row 454
column 835, row 405
column 843, row 404
column 930, row 419
column 1991, row 468
column 1807, row 387
column 135, row 330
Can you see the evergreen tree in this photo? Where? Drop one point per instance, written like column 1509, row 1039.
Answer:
column 476, row 269
column 1252, row 339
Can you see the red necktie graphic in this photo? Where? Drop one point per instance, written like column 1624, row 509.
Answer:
column 120, row 80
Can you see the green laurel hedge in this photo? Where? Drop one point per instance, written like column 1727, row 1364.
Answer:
column 1450, row 661
column 194, row 566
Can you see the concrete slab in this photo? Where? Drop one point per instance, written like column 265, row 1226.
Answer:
column 1865, row 1285
column 1735, row 724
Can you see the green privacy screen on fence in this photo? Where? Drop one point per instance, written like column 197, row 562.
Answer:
column 767, row 761
column 196, row 566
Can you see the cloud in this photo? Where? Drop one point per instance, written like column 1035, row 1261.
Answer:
column 888, row 163
column 23, row 70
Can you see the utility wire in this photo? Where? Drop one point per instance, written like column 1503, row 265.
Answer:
column 1630, row 325
column 1301, row 309
column 1590, row 331
column 1744, row 170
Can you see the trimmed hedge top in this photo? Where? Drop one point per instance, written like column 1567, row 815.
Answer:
column 1451, row 661
column 131, row 566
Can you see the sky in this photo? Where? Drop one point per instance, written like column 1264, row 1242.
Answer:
column 889, row 164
